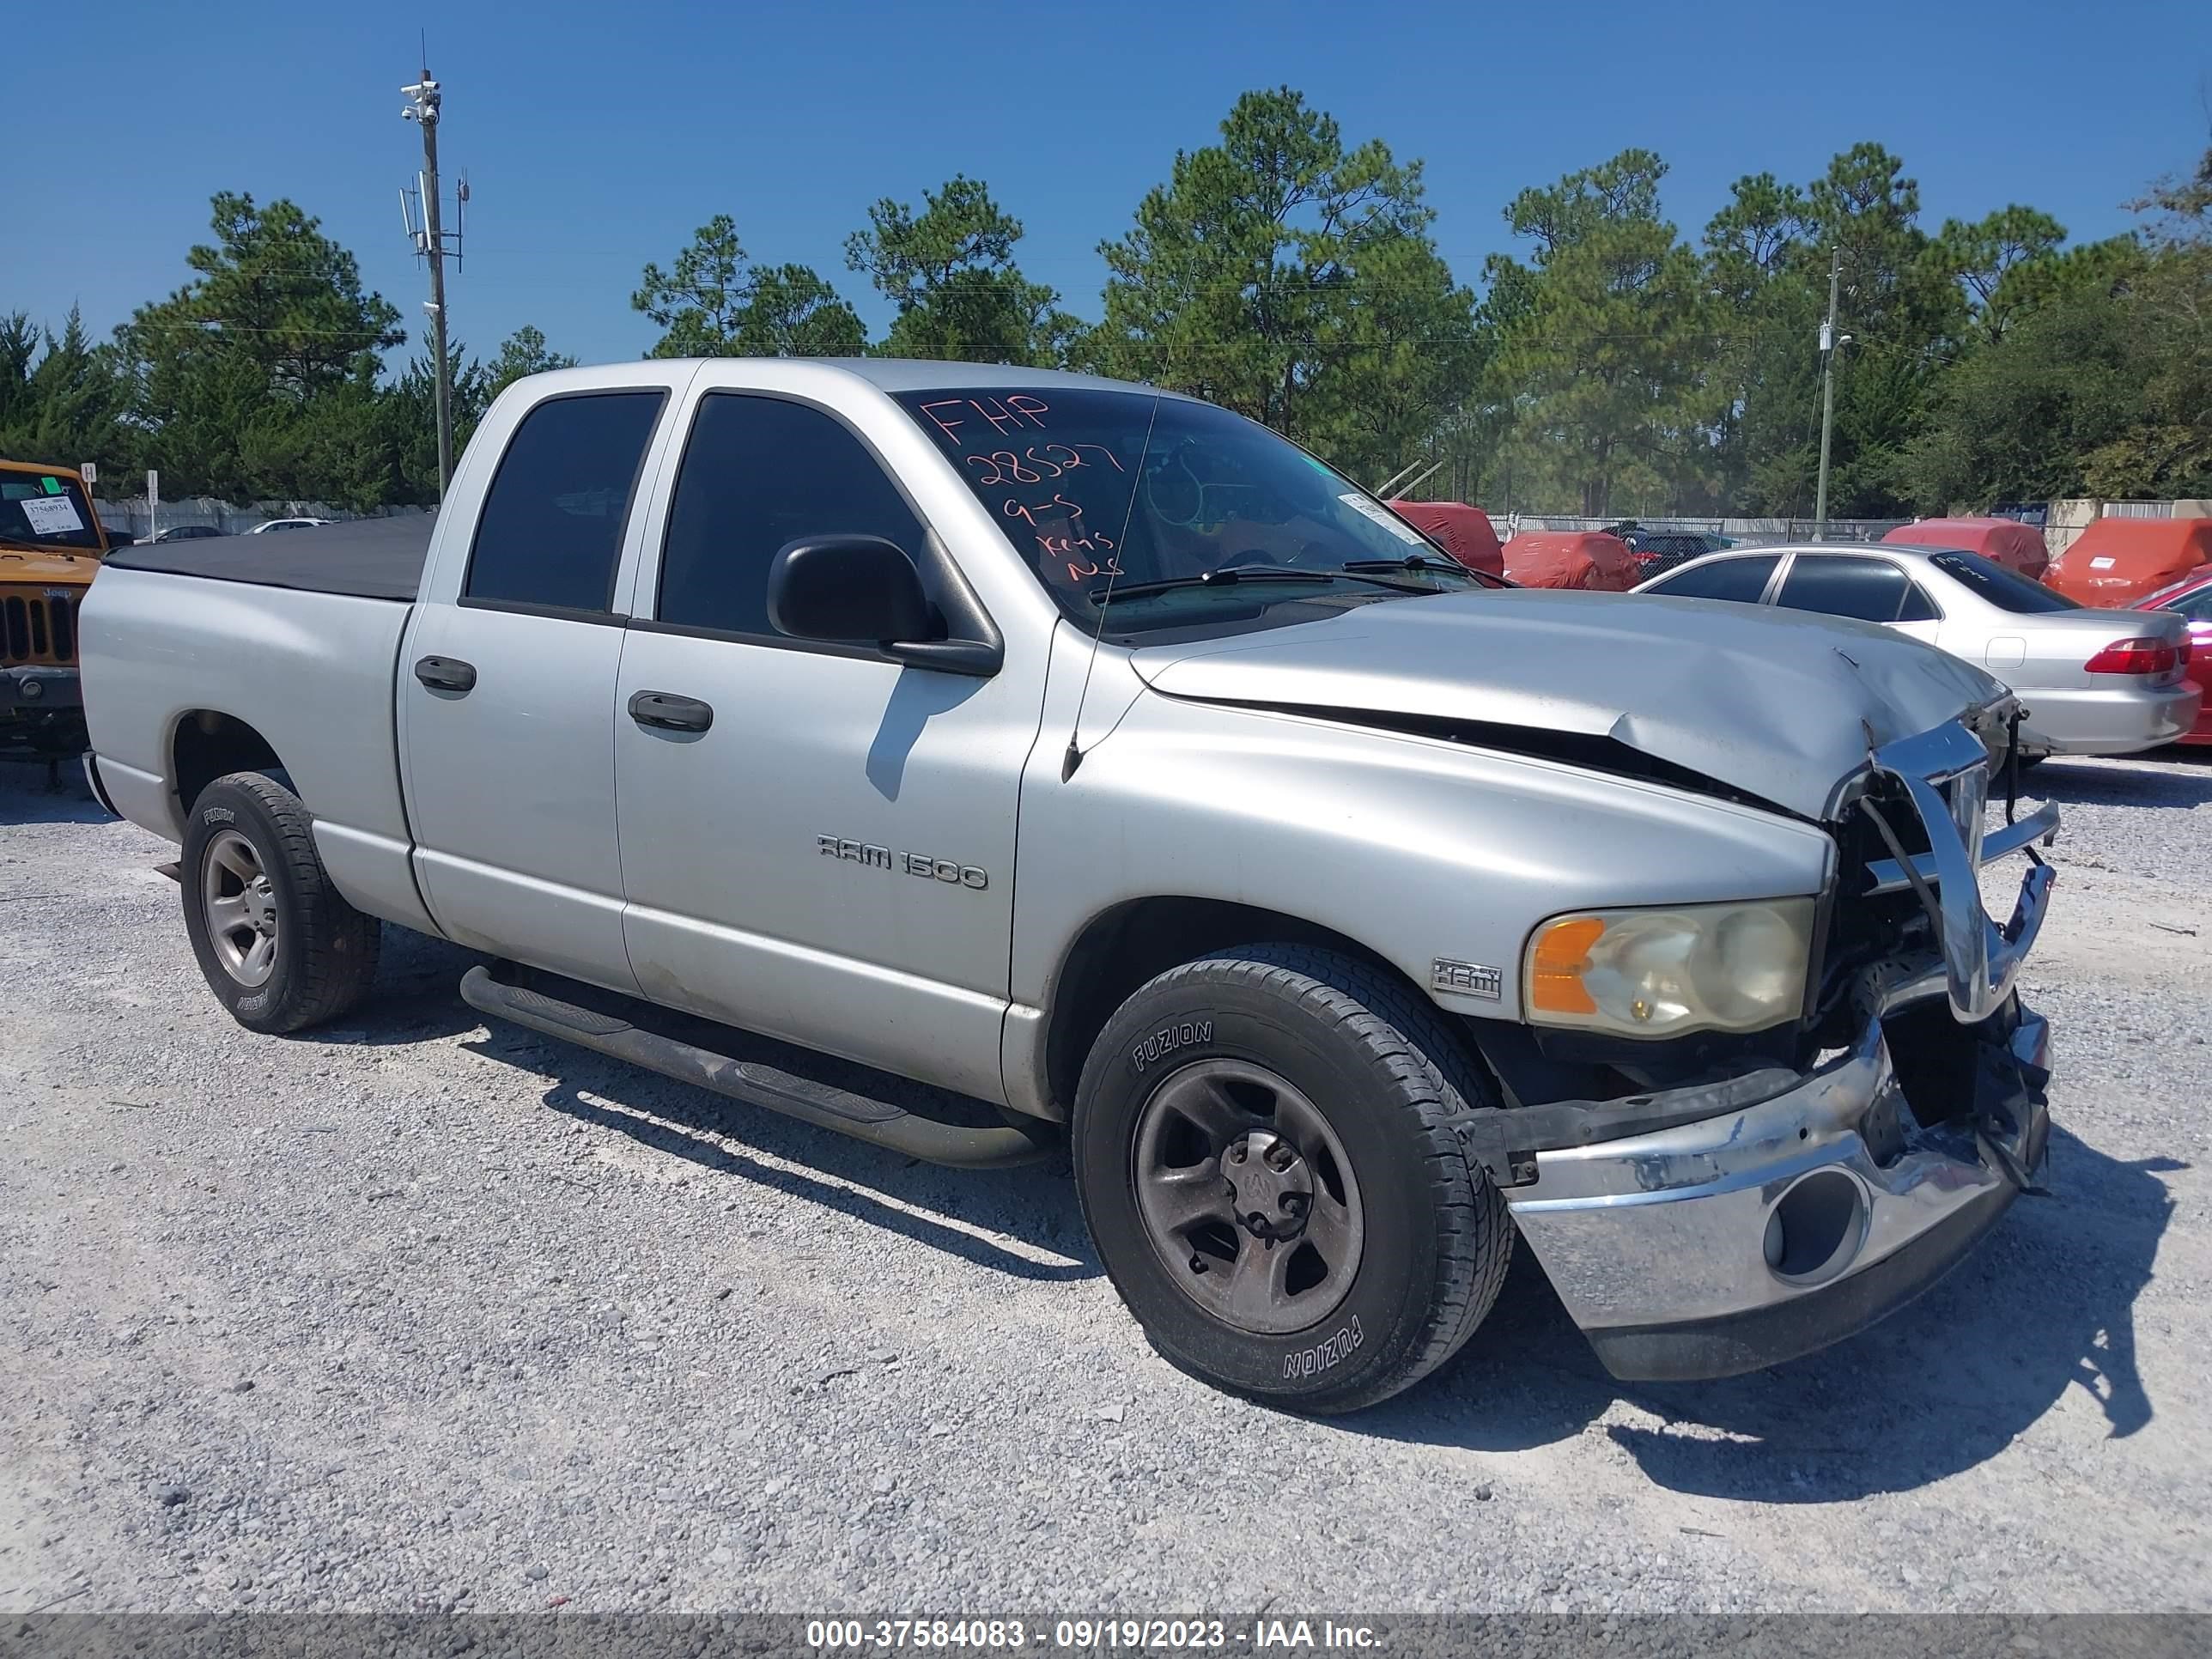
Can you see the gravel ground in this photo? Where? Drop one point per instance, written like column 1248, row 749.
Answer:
column 421, row 1315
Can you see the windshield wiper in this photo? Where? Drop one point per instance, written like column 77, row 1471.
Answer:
column 1227, row 576
column 1415, row 562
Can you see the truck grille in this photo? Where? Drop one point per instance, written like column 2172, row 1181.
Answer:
column 37, row 628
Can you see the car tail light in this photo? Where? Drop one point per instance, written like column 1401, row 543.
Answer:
column 2143, row 656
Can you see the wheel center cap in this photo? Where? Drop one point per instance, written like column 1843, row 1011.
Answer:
column 1270, row 1184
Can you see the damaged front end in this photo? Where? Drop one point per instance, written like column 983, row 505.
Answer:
column 1702, row 1228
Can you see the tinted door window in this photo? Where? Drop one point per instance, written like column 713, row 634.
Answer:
column 551, row 529
column 1741, row 579
column 1867, row 590
column 758, row 473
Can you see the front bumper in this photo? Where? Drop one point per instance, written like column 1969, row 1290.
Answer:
column 1712, row 1244
column 35, row 689
column 1739, row 1242
column 2096, row 721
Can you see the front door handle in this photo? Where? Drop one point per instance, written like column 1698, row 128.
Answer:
column 446, row 673
column 669, row 712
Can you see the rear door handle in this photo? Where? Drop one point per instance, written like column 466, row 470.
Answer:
column 446, row 673
column 669, row 712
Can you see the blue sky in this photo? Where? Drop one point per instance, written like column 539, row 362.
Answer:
column 596, row 137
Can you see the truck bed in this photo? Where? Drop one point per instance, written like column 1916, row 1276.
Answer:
column 177, row 664
column 365, row 559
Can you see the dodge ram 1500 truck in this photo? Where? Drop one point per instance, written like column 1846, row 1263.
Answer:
column 1127, row 776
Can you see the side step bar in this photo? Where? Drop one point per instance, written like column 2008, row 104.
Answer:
column 878, row 1122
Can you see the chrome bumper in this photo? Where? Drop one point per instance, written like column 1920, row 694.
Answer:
column 1739, row 1242
column 1735, row 1242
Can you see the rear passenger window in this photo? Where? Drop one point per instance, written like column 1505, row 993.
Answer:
column 758, row 473
column 1741, row 579
column 1866, row 590
column 551, row 528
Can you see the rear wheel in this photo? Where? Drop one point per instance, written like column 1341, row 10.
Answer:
column 1262, row 1148
column 278, row 944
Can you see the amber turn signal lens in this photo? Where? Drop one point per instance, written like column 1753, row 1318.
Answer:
column 1556, row 967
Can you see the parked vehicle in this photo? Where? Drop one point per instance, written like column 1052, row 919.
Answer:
column 2115, row 561
column 1655, row 552
column 274, row 524
column 1570, row 558
column 2190, row 600
column 2093, row 682
column 185, row 532
column 51, row 541
column 1461, row 531
column 1105, row 763
column 2007, row 542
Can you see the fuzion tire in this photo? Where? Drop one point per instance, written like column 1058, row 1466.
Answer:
column 1263, row 1150
column 279, row 946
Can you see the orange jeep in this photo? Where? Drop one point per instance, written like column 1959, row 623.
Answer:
column 50, row 546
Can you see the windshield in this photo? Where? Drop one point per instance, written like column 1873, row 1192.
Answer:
column 1106, row 494
column 2007, row 590
column 47, row 509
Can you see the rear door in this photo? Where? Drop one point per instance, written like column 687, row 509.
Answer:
column 506, row 680
column 1861, row 587
column 826, row 853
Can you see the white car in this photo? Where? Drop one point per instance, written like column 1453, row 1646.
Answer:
column 2092, row 682
column 287, row 523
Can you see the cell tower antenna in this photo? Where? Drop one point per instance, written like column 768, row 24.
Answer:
column 425, row 103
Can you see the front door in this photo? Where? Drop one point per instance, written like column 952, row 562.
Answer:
column 817, row 843
column 506, row 694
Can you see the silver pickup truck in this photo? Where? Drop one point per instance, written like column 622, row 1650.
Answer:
column 1043, row 761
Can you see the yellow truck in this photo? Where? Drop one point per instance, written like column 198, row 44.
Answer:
column 52, row 543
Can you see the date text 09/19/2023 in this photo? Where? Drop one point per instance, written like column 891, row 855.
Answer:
column 1088, row 1635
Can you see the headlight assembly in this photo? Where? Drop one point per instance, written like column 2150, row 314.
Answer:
column 1667, row 972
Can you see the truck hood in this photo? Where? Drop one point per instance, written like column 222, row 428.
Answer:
column 1777, row 706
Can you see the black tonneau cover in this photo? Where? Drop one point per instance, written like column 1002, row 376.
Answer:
column 368, row 558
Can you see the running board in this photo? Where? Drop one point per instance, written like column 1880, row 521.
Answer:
column 878, row 1122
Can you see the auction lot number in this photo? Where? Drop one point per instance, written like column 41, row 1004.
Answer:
column 1080, row 1633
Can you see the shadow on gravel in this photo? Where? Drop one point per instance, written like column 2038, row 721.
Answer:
column 2112, row 786
column 25, row 799
column 417, row 996
column 1035, row 1205
column 2047, row 1303
column 417, row 999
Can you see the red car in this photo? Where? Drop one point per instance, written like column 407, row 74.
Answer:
column 2193, row 597
column 1570, row 558
column 2007, row 542
column 1461, row 531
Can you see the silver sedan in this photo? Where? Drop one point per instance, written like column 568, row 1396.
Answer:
column 2093, row 682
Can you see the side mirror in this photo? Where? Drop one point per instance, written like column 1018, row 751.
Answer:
column 856, row 590
column 116, row 538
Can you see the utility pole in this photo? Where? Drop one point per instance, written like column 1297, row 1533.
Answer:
column 1828, row 344
column 423, row 99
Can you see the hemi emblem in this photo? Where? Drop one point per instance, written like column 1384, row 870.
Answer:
column 1465, row 979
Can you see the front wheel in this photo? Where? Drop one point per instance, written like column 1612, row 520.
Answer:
column 278, row 944
column 1263, row 1151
